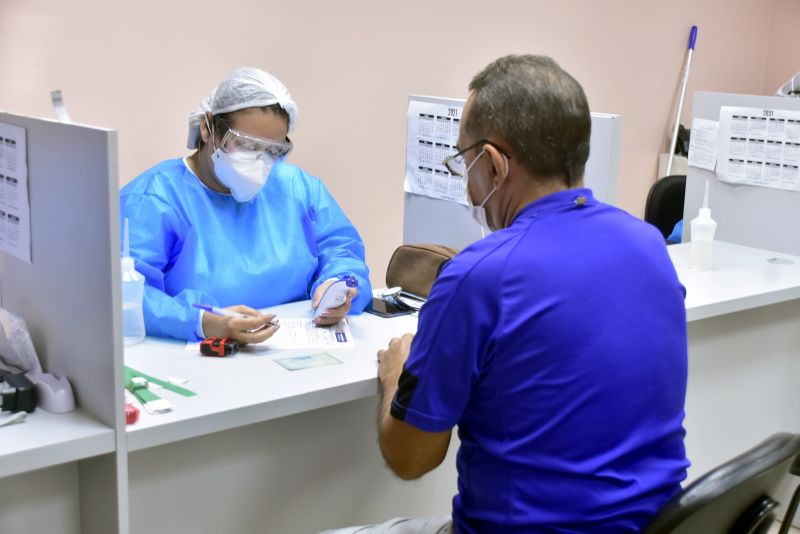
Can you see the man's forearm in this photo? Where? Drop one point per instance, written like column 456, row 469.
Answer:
column 409, row 452
column 388, row 389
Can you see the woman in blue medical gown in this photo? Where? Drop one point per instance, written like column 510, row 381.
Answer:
column 234, row 225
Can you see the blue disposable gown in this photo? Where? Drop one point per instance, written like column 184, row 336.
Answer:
column 194, row 245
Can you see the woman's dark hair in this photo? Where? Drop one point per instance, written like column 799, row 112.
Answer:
column 538, row 109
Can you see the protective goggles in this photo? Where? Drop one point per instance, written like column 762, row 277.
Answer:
column 235, row 141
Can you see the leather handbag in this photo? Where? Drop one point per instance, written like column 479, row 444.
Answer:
column 415, row 267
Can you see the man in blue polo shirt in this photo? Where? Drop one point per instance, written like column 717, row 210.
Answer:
column 556, row 345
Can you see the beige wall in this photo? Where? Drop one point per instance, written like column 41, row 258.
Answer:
column 140, row 67
column 783, row 59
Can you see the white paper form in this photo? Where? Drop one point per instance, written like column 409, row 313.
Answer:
column 303, row 334
column 703, row 144
column 15, row 209
column 433, row 125
column 759, row 147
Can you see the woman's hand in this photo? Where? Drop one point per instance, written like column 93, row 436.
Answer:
column 332, row 315
column 254, row 327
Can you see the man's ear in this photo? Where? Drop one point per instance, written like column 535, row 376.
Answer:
column 499, row 165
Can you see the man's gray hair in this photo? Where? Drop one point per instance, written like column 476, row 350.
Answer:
column 538, row 109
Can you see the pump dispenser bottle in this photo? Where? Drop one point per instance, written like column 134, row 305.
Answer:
column 132, row 296
column 703, row 229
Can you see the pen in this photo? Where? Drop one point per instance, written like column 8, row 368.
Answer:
column 227, row 313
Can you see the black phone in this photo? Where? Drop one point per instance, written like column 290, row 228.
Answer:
column 382, row 308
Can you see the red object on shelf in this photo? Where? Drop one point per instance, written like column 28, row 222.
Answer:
column 131, row 413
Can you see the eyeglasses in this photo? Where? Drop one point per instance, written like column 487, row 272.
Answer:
column 235, row 141
column 456, row 165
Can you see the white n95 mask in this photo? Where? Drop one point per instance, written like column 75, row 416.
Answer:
column 478, row 213
column 244, row 173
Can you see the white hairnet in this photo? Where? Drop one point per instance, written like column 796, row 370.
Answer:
column 246, row 87
column 790, row 88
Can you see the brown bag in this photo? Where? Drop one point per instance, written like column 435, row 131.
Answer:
column 415, row 267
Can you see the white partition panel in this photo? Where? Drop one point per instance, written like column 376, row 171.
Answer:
column 69, row 295
column 753, row 216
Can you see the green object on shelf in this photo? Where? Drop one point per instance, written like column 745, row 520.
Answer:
column 140, row 390
column 133, row 373
column 138, row 384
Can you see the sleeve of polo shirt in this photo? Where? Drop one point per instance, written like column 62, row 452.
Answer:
column 449, row 349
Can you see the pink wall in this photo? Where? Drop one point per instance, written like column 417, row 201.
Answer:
column 783, row 59
column 140, row 67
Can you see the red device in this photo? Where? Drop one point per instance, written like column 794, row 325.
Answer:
column 218, row 346
column 131, row 413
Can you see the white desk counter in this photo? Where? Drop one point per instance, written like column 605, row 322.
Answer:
column 742, row 279
column 744, row 351
column 250, row 387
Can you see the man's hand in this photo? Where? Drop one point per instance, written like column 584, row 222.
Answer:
column 254, row 328
column 409, row 452
column 390, row 365
column 332, row 315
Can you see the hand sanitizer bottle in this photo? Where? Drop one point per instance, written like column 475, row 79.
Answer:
column 132, row 296
column 703, row 229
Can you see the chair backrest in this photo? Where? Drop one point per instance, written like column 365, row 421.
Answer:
column 737, row 497
column 664, row 206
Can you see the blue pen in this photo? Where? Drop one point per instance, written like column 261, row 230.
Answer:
column 227, row 313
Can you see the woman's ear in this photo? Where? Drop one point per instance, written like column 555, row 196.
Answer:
column 205, row 132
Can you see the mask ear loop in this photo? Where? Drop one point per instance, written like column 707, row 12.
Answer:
column 210, row 127
column 214, row 144
column 505, row 175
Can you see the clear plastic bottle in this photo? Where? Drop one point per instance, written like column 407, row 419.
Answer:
column 703, row 230
column 132, row 296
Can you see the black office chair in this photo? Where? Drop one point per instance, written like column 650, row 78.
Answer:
column 737, row 497
column 664, row 206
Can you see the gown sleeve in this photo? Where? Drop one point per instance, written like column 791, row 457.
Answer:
column 156, row 236
column 340, row 249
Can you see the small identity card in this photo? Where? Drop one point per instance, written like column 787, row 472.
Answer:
column 305, row 362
